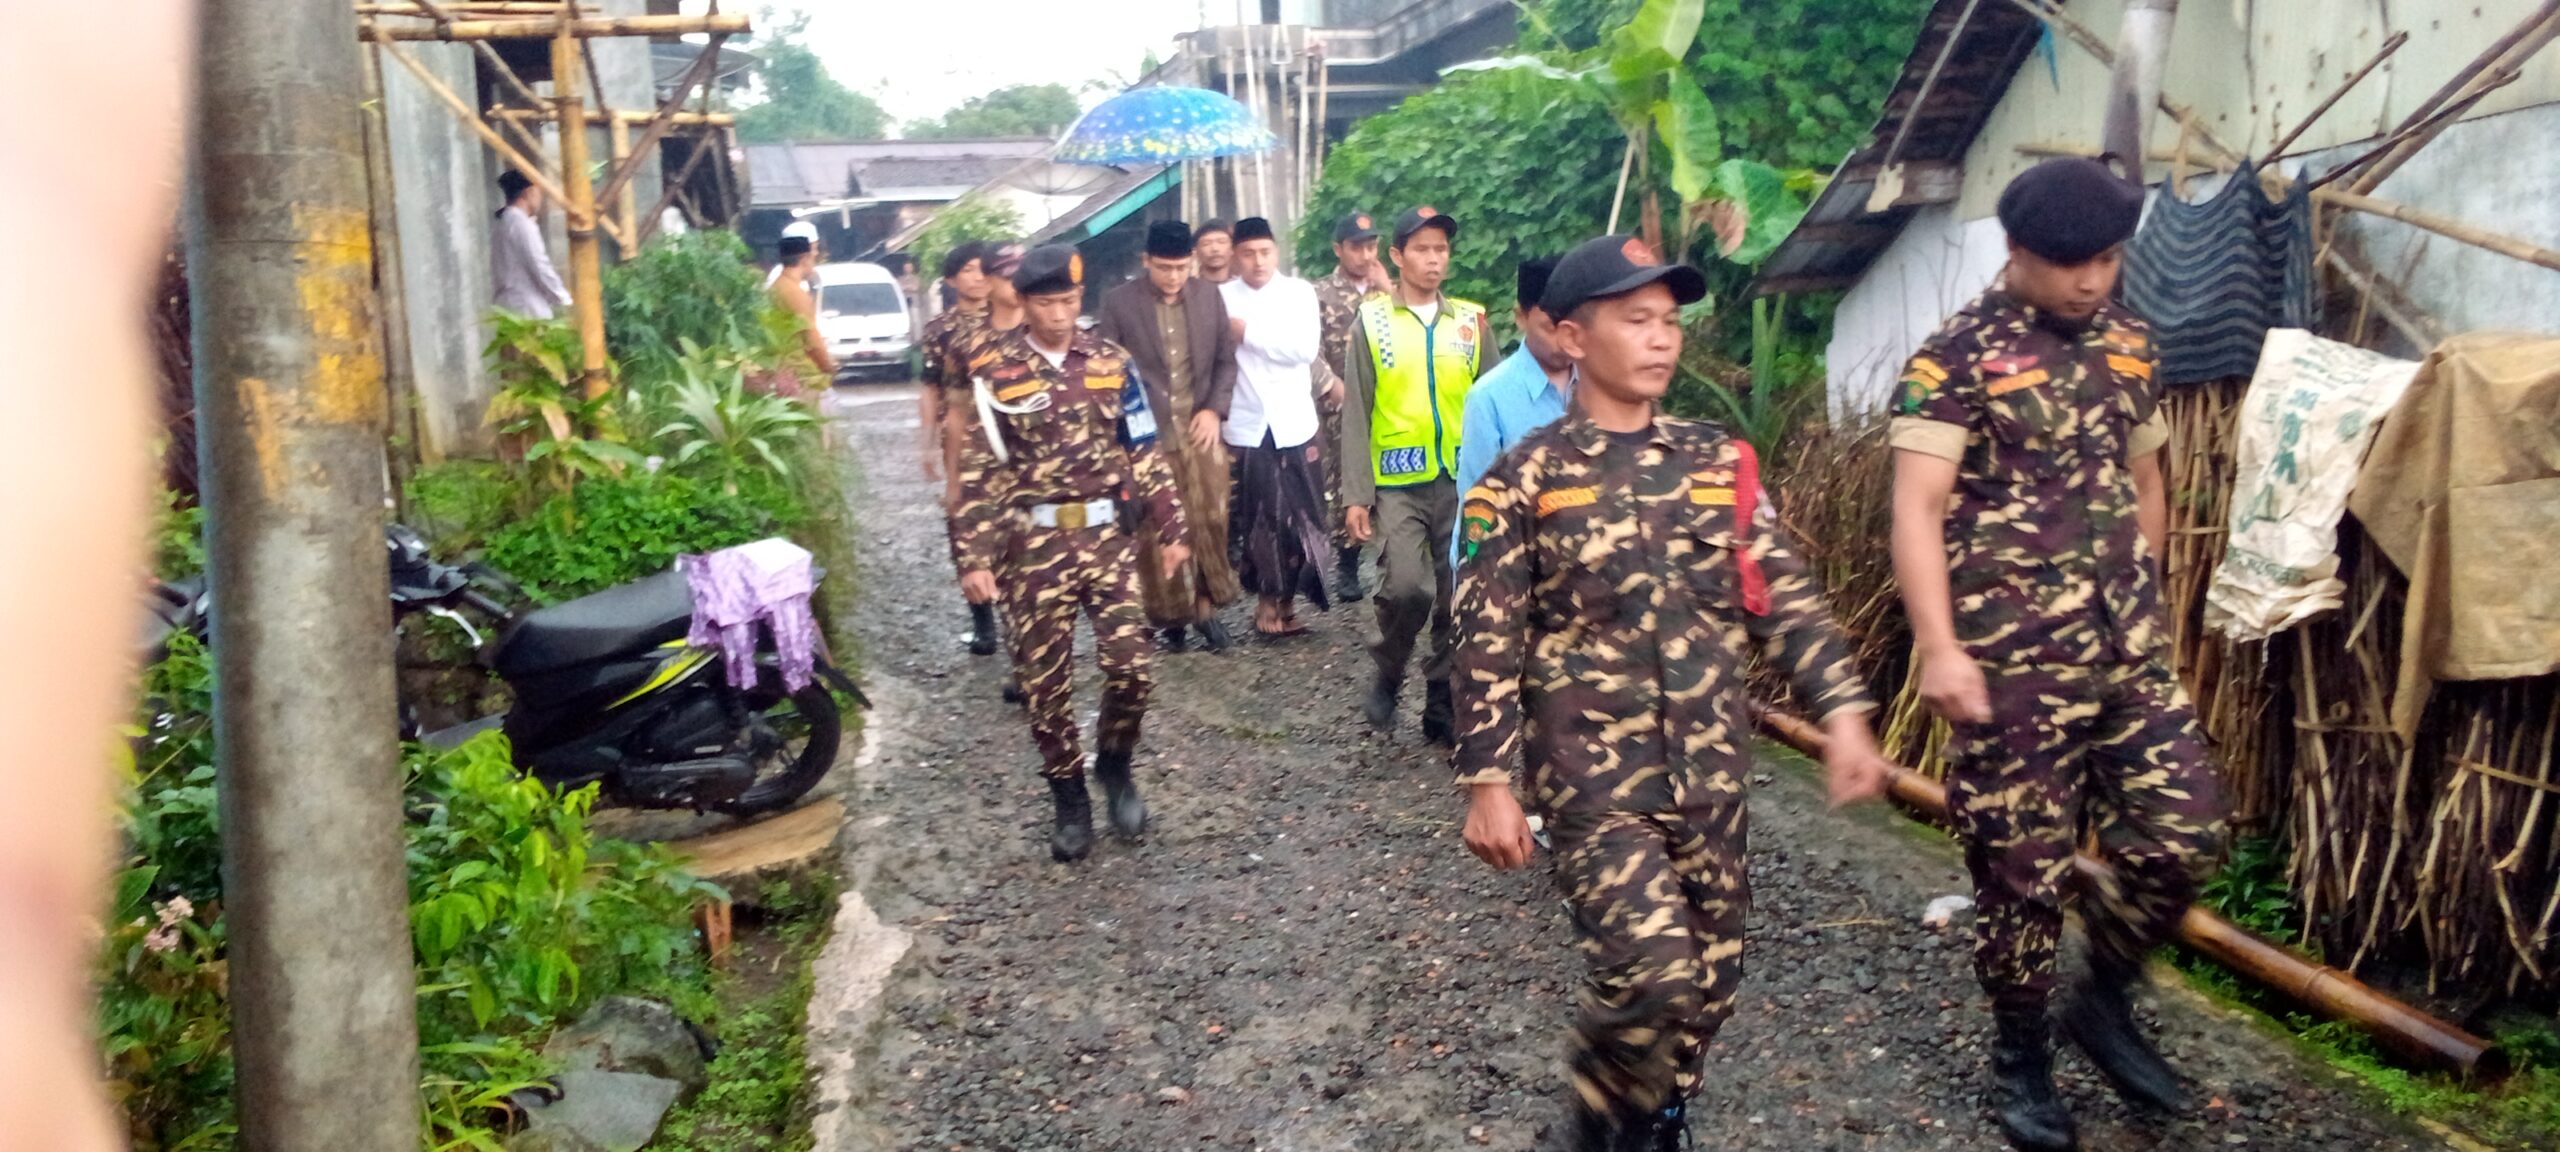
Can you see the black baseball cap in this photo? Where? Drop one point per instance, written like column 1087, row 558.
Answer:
column 1614, row 266
column 1416, row 219
column 1355, row 226
column 1049, row 270
column 1532, row 287
column 2071, row 208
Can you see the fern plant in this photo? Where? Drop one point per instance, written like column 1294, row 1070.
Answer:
column 719, row 426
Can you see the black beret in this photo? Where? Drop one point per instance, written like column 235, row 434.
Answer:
column 1253, row 228
column 1049, row 270
column 1614, row 266
column 1533, row 281
column 1355, row 226
column 2070, row 209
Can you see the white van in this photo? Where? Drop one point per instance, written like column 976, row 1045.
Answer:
column 862, row 314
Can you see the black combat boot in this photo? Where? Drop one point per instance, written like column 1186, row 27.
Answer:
column 1380, row 708
column 2022, row 1094
column 1213, row 635
column 1013, row 693
column 1346, row 575
column 1071, row 838
column 1439, row 714
column 2097, row 1016
column 1606, row 1132
column 1120, row 800
column 1173, row 639
column 982, row 629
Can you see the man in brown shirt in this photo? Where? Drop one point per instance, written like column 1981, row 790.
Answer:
column 1176, row 331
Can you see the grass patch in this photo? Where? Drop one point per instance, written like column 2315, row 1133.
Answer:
column 758, row 1006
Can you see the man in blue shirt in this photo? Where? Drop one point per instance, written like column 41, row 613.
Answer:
column 1527, row 391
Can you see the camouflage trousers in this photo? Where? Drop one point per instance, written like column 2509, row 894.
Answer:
column 1050, row 576
column 1331, row 421
column 1658, row 907
column 2108, row 751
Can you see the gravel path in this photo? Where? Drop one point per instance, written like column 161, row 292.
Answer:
column 1303, row 956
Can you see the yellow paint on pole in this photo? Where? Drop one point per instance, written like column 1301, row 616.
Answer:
column 266, row 434
column 336, row 287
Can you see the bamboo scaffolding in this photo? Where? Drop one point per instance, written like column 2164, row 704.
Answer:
column 545, row 28
column 2443, row 226
column 627, row 116
column 586, row 263
column 2506, row 55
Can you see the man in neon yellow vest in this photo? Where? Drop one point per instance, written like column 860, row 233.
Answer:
column 1414, row 354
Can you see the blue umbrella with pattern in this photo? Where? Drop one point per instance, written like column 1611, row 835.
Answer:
column 1159, row 125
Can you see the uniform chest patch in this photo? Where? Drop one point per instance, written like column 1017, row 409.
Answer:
column 1099, row 382
column 2129, row 365
column 1563, row 498
column 2007, row 364
column 2017, row 382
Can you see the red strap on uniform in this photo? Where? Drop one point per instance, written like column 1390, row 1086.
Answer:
column 1746, row 510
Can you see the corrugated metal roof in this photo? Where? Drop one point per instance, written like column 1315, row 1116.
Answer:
column 1968, row 52
column 803, row 173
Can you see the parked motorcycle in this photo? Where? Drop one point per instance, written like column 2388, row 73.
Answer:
column 607, row 691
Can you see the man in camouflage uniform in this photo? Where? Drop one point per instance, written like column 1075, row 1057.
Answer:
column 1046, row 518
column 1357, row 273
column 965, row 270
column 2029, row 510
column 1620, row 570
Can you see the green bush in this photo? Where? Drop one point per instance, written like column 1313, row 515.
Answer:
column 459, row 503
column 1535, row 174
column 697, row 286
column 520, row 918
column 613, row 529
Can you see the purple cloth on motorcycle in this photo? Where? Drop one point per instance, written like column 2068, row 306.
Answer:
column 734, row 589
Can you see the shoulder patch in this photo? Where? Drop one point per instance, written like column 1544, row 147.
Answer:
column 1920, row 381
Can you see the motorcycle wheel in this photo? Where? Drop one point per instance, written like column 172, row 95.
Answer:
column 810, row 727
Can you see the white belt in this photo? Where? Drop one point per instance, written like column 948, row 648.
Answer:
column 1086, row 514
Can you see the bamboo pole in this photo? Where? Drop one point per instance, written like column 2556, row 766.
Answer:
column 2443, row 226
column 586, row 264
column 552, row 26
column 2313, row 117
column 1324, row 95
column 469, row 9
column 700, row 73
column 626, row 199
column 625, row 115
column 489, row 136
column 2332, row 993
column 2508, row 55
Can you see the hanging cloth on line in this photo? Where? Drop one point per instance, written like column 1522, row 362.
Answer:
column 2214, row 276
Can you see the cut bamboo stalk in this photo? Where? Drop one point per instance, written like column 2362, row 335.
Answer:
column 2414, row 1035
column 2389, row 46
column 2443, row 226
column 2504, row 56
column 586, row 263
column 543, row 28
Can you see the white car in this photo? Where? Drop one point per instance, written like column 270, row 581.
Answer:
column 862, row 313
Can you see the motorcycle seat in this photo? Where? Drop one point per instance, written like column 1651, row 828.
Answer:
column 619, row 621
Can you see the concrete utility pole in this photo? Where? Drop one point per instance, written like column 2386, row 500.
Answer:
column 2142, row 54
column 291, row 411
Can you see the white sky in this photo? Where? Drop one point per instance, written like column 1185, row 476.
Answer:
column 921, row 57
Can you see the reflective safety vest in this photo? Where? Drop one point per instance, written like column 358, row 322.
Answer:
column 1423, row 372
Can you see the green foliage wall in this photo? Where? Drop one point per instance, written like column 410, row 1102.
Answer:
column 1526, row 163
column 1796, row 83
column 1016, row 110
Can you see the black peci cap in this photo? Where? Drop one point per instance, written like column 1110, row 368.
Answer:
column 1614, row 266
column 1254, row 228
column 2071, row 208
column 1533, row 282
column 1355, row 226
column 1049, row 270
column 1169, row 240
column 1416, row 219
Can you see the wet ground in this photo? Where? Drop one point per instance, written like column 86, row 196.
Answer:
column 1303, row 956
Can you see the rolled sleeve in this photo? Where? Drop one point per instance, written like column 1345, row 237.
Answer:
column 2149, row 436
column 1935, row 437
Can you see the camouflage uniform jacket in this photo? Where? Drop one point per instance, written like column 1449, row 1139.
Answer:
column 1064, row 443
column 939, row 344
column 2046, row 560
column 1338, row 302
column 1609, row 604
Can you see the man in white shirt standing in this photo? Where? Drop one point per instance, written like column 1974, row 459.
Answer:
column 1272, row 425
column 520, row 268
